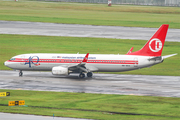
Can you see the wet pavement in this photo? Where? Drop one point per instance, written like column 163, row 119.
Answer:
column 10, row 116
column 145, row 85
column 75, row 30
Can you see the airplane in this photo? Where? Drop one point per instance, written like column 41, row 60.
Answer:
column 65, row 64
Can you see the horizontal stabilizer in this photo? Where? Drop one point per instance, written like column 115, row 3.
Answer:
column 166, row 56
column 155, row 58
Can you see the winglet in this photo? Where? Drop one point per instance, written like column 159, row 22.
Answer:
column 85, row 58
column 130, row 51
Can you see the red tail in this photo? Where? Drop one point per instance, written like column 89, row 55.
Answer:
column 155, row 45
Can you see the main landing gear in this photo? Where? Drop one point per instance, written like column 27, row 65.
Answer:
column 20, row 73
column 89, row 74
column 82, row 75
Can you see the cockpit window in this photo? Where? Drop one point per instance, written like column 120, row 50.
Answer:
column 12, row 59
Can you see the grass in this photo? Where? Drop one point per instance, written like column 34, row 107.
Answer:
column 82, row 105
column 92, row 106
column 93, row 14
column 11, row 45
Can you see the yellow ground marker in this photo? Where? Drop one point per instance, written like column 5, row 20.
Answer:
column 15, row 103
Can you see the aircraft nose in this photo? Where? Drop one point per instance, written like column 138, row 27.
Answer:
column 6, row 63
column 10, row 64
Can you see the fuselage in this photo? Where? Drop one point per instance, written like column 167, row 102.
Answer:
column 95, row 62
column 64, row 64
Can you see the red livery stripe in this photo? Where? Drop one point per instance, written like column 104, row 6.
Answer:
column 75, row 61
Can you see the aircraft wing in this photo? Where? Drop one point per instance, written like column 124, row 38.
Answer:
column 81, row 66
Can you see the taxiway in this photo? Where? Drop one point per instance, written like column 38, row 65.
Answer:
column 145, row 85
column 75, row 30
column 10, row 116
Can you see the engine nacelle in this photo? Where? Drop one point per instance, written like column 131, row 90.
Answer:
column 60, row 70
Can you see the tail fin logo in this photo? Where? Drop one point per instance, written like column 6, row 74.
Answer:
column 155, row 45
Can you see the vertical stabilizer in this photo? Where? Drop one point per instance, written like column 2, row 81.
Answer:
column 155, row 45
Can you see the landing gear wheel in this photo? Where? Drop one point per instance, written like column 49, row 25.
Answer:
column 20, row 73
column 81, row 75
column 89, row 74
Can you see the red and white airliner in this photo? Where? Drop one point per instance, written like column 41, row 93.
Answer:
column 64, row 64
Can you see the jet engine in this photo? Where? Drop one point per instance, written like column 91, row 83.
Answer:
column 60, row 70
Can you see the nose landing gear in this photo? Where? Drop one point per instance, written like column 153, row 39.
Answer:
column 20, row 73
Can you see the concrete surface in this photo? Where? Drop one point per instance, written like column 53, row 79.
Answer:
column 75, row 30
column 147, row 85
